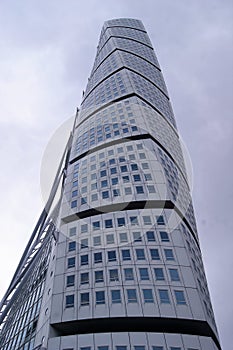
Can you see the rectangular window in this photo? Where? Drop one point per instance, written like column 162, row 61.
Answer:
column 84, row 298
column 96, row 225
column 70, row 262
column 128, row 190
column 103, row 347
column 105, row 194
column 133, row 220
column 148, row 177
column 70, row 281
column 139, row 189
column 159, row 275
column 74, row 193
column 72, row 231
column 134, row 167
column 140, row 254
column 70, row 300
column 157, row 347
column 84, row 259
column 131, row 295
column 144, row 275
column 121, row 347
column 84, row 278
column 125, row 178
column 120, row 222
column 151, row 188
column 100, row 297
column 74, row 204
column 99, row 276
column 71, row 246
column 84, row 243
column 139, row 347
column 164, row 236
column 147, row 220
column 108, row 223
column 129, row 274
column 98, row 257
column 175, row 348
column 104, row 183
column 126, row 254
column 84, row 228
column 137, row 236
column 113, row 275
column 113, row 171
column 124, row 168
column 103, row 173
column 114, row 181
column 116, row 296
column 174, row 275
column 180, row 299
column 123, row 237
column 164, row 296
column 136, row 177
column 169, row 254
column 97, row 240
column 110, row 239
column 112, row 255
column 150, row 236
column 160, row 220
column 148, row 295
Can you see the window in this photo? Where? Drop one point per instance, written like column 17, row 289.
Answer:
column 114, row 181
column 148, row 295
column 169, row 254
column 113, row 171
column 74, row 193
column 70, row 300
column 145, row 166
column 84, row 243
column 144, row 275
column 73, row 204
column 131, row 295
column 72, row 231
column 108, row 223
column 84, row 259
column 98, row 257
column 112, row 255
column 180, row 299
column 164, row 236
column 105, row 194
column 70, row 262
column 103, row 347
column 151, row 188
column 128, row 190
column 133, row 220
column 104, row 183
column 125, row 178
column 154, row 254
column 150, row 236
column 83, row 200
column 110, row 239
column 97, row 240
column 96, row 225
column 147, row 220
column 123, row 237
column 99, row 276
column 71, row 246
column 116, row 296
column 84, row 297
column 123, row 168
column 103, row 173
column 159, row 275
column 85, row 348
column 120, row 222
column 148, row 177
column 126, row 254
column 174, row 275
column 84, row 228
column 139, row 189
column 100, row 297
column 129, row 274
column 84, row 278
column 175, row 348
column 113, row 275
column 112, row 161
column 157, row 347
column 164, row 296
column 137, row 236
column 70, row 281
column 134, row 167
column 121, row 347
column 140, row 254
column 160, row 220
column 139, row 347
column 137, row 177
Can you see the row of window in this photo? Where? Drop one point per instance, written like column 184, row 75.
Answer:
column 110, row 239
column 129, row 275
column 136, row 347
column 131, row 294
column 125, row 256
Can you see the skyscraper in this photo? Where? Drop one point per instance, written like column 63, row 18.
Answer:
column 117, row 263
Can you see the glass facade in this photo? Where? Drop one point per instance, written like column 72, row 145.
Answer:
column 128, row 270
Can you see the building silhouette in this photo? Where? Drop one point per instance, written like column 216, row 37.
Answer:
column 116, row 262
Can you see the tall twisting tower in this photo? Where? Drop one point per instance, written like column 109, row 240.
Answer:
column 117, row 264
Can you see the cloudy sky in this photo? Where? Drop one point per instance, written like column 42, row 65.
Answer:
column 47, row 49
